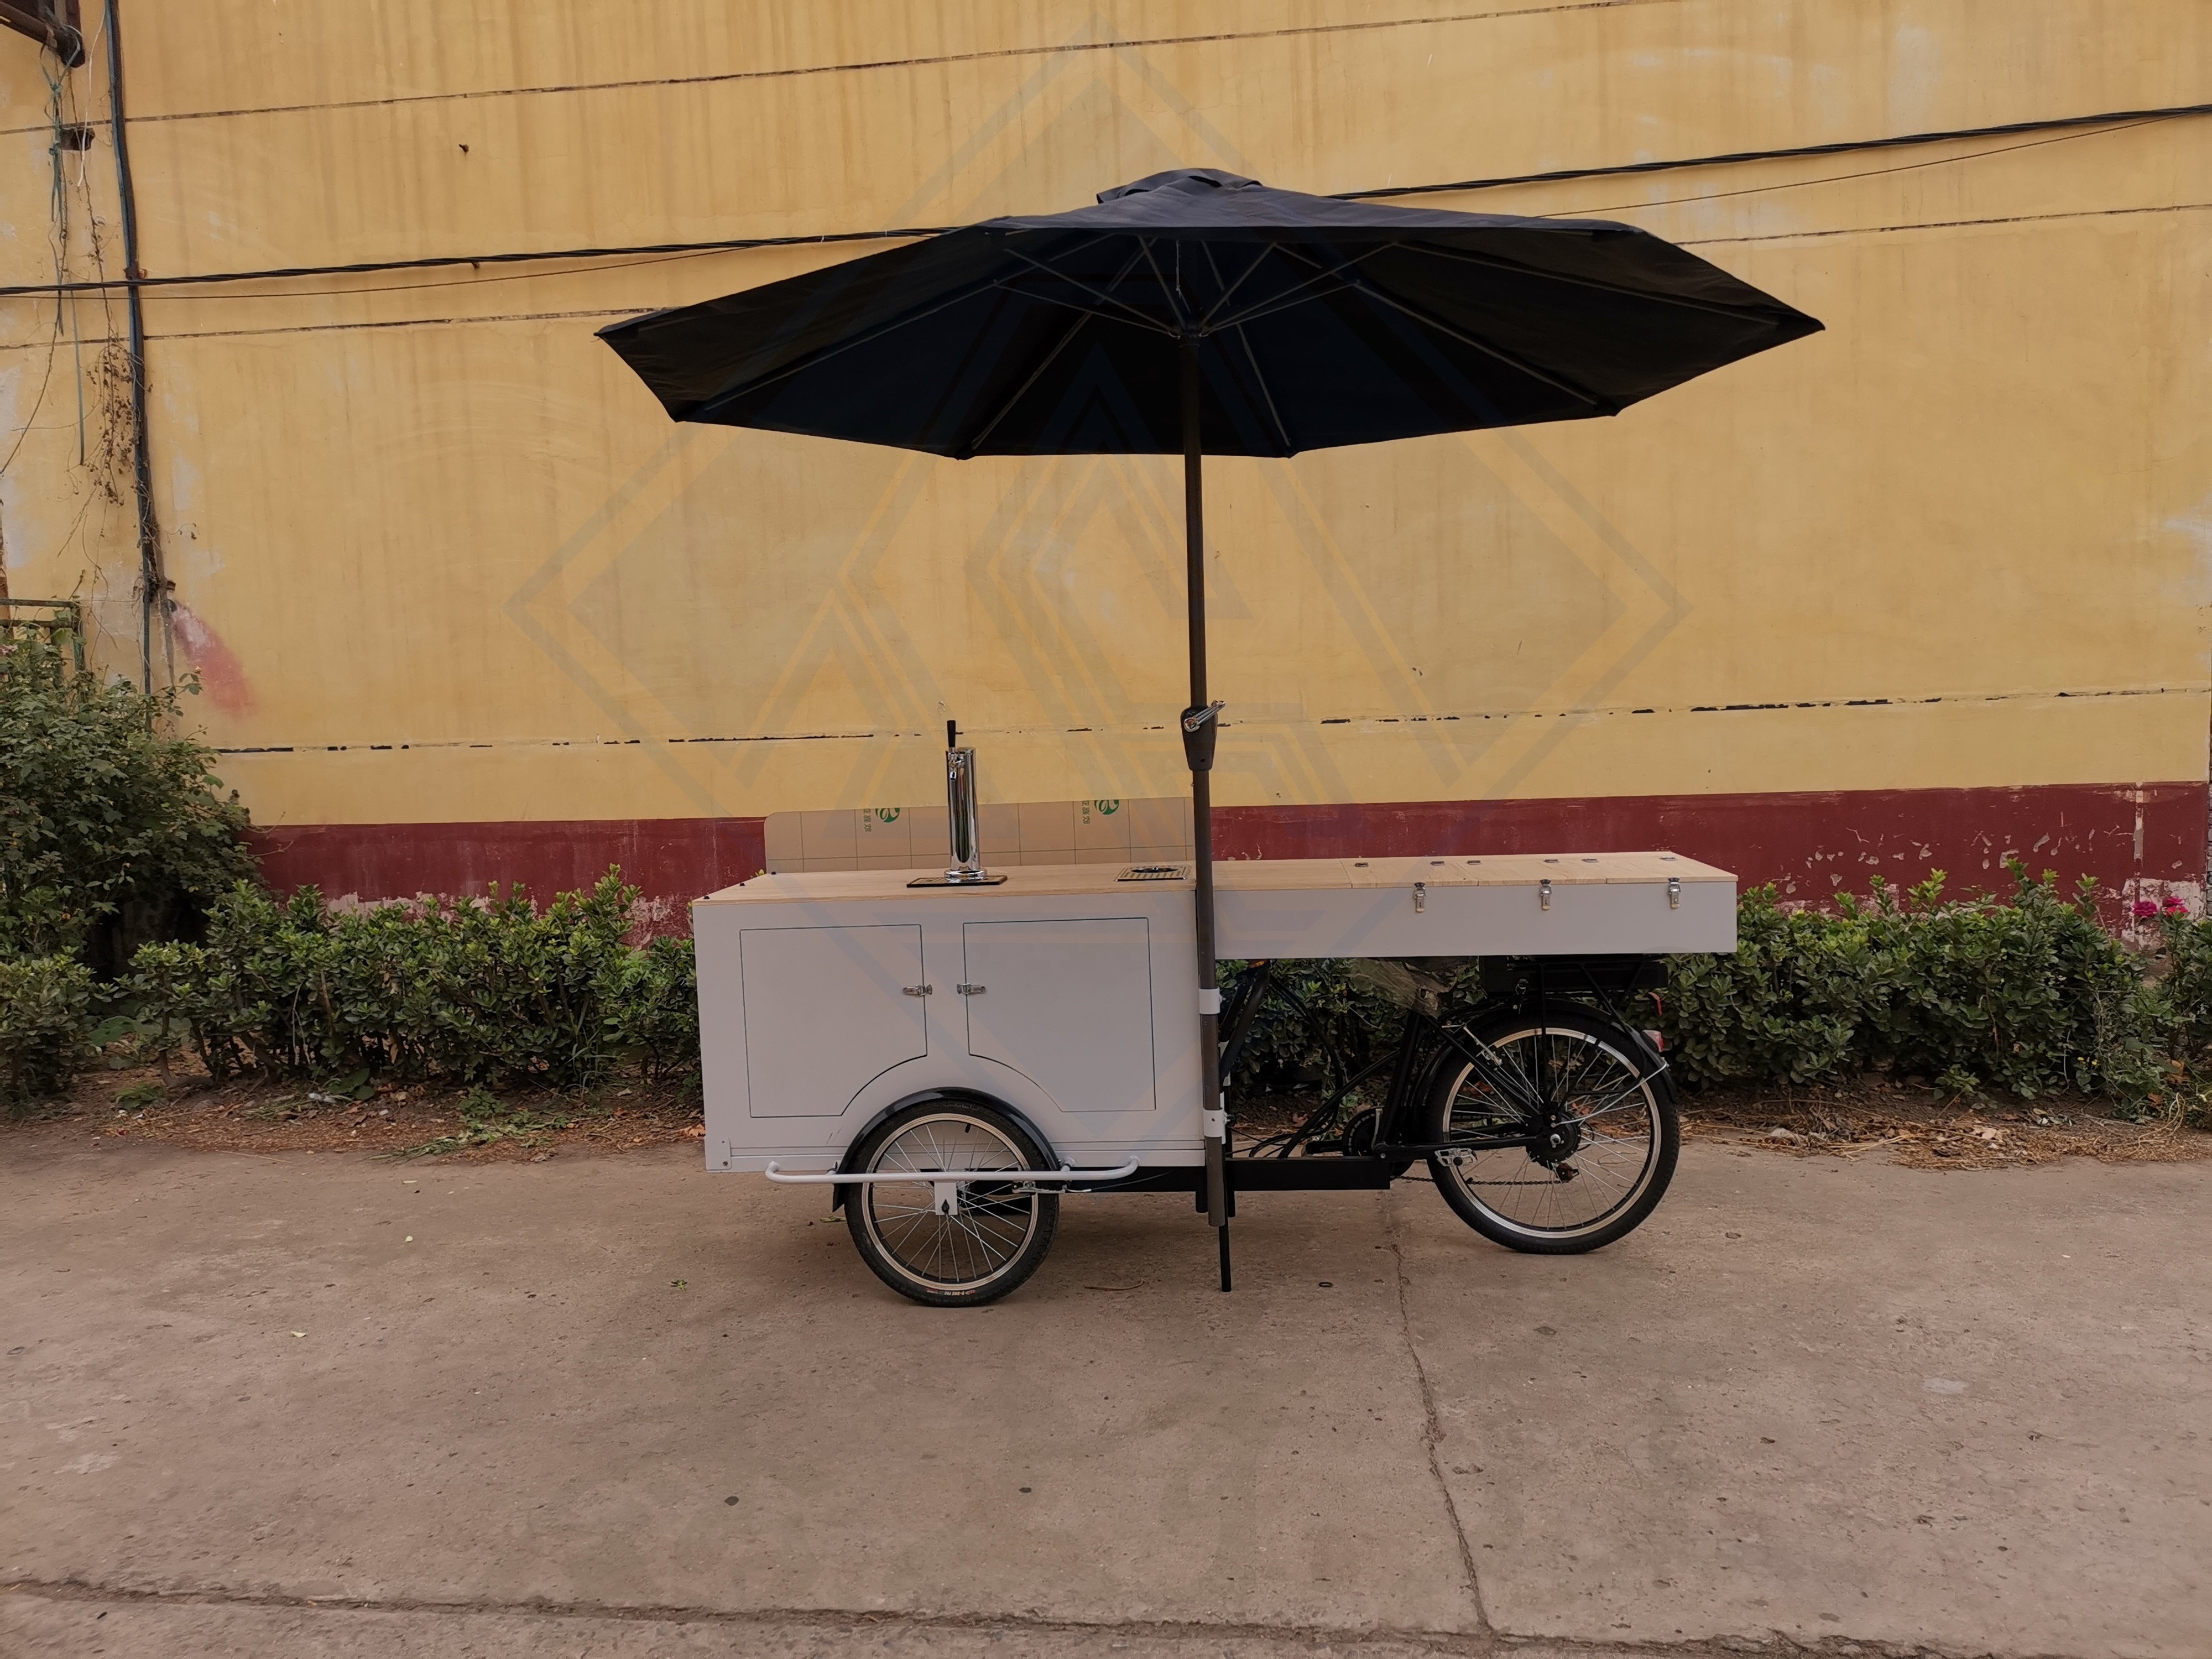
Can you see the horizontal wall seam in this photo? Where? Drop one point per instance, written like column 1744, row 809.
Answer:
column 1364, row 720
column 873, row 65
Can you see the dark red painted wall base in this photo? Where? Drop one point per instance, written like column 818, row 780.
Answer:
column 676, row 859
column 1810, row 845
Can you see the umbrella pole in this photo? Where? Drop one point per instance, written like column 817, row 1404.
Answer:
column 1200, row 724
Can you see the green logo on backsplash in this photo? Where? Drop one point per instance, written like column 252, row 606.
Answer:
column 887, row 814
column 1106, row 808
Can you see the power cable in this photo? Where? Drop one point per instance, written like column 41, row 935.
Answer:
column 57, row 210
column 1840, row 178
column 1578, row 213
column 1842, row 147
column 2110, row 120
column 367, row 267
column 30, row 421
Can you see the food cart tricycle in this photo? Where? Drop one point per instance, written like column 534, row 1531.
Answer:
column 953, row 1053
column 949, row 1054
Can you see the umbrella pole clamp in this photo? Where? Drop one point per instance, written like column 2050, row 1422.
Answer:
column 1200, row 729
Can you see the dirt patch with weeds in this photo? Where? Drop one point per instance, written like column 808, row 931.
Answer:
column 1899, row 1123
column 1922, row 1128
column 400, row 1121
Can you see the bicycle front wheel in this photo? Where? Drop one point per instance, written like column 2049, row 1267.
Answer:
column 944, row 1244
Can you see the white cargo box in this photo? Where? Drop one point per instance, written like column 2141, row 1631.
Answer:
column 1071, row 992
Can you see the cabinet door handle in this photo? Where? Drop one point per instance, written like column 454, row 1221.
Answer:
column 971, row 990
column 917, row 990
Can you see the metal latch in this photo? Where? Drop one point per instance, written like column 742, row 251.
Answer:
column 1420, row 897
column 1544, row 894
column 1673, row 892
column 917, row 990
column 971, row 990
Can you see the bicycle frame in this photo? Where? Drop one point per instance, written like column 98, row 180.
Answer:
column 1425, row 1043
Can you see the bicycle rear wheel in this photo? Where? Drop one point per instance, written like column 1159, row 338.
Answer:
column 1602, row 1141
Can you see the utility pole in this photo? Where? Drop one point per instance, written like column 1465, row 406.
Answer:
column 152, row 587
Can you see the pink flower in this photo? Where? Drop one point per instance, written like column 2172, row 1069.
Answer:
column 2144, row 910
column 2172, row 907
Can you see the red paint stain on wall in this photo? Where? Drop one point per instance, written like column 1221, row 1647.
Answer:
column 222, row 676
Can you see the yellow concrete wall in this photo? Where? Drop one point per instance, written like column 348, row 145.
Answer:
column 466, row 570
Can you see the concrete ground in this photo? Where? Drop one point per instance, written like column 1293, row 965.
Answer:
column 315, row 1405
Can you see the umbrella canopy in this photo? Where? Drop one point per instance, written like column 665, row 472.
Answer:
column 1316, row 322
column 1198, row 313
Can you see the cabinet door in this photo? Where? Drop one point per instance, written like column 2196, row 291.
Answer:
column 827, row 1013
column 1067, row 1004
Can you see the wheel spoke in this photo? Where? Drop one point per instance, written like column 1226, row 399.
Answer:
column 1593, row 1094
column 991, row 1223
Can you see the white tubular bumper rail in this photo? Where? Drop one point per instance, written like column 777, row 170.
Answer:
column 945, row 1185
column 953, row 1177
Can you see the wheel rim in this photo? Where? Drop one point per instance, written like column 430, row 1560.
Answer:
column 1604, row 1114
column 982, row 1239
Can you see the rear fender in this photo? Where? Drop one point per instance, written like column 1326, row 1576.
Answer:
column 850, row 1161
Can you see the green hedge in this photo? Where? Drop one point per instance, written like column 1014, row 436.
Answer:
column 2026, row 994
column 488, row 992
column 108, row 827
column 46, row 1027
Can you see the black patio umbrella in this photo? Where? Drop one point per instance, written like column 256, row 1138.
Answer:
column 1197, row 313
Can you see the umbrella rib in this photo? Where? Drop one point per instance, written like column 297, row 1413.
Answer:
column 1139, row 321
column 1266, row 248
column 1259, row 378
column 865, row 337
column 1309, row 288
column 1134, row 315
column 1510, row 359
column 1280, row 302
column 1267, row 393
column 975, row 444
column 1167, row 293
column 1136, row 320
column 1083, row 315
column 1493, row 263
